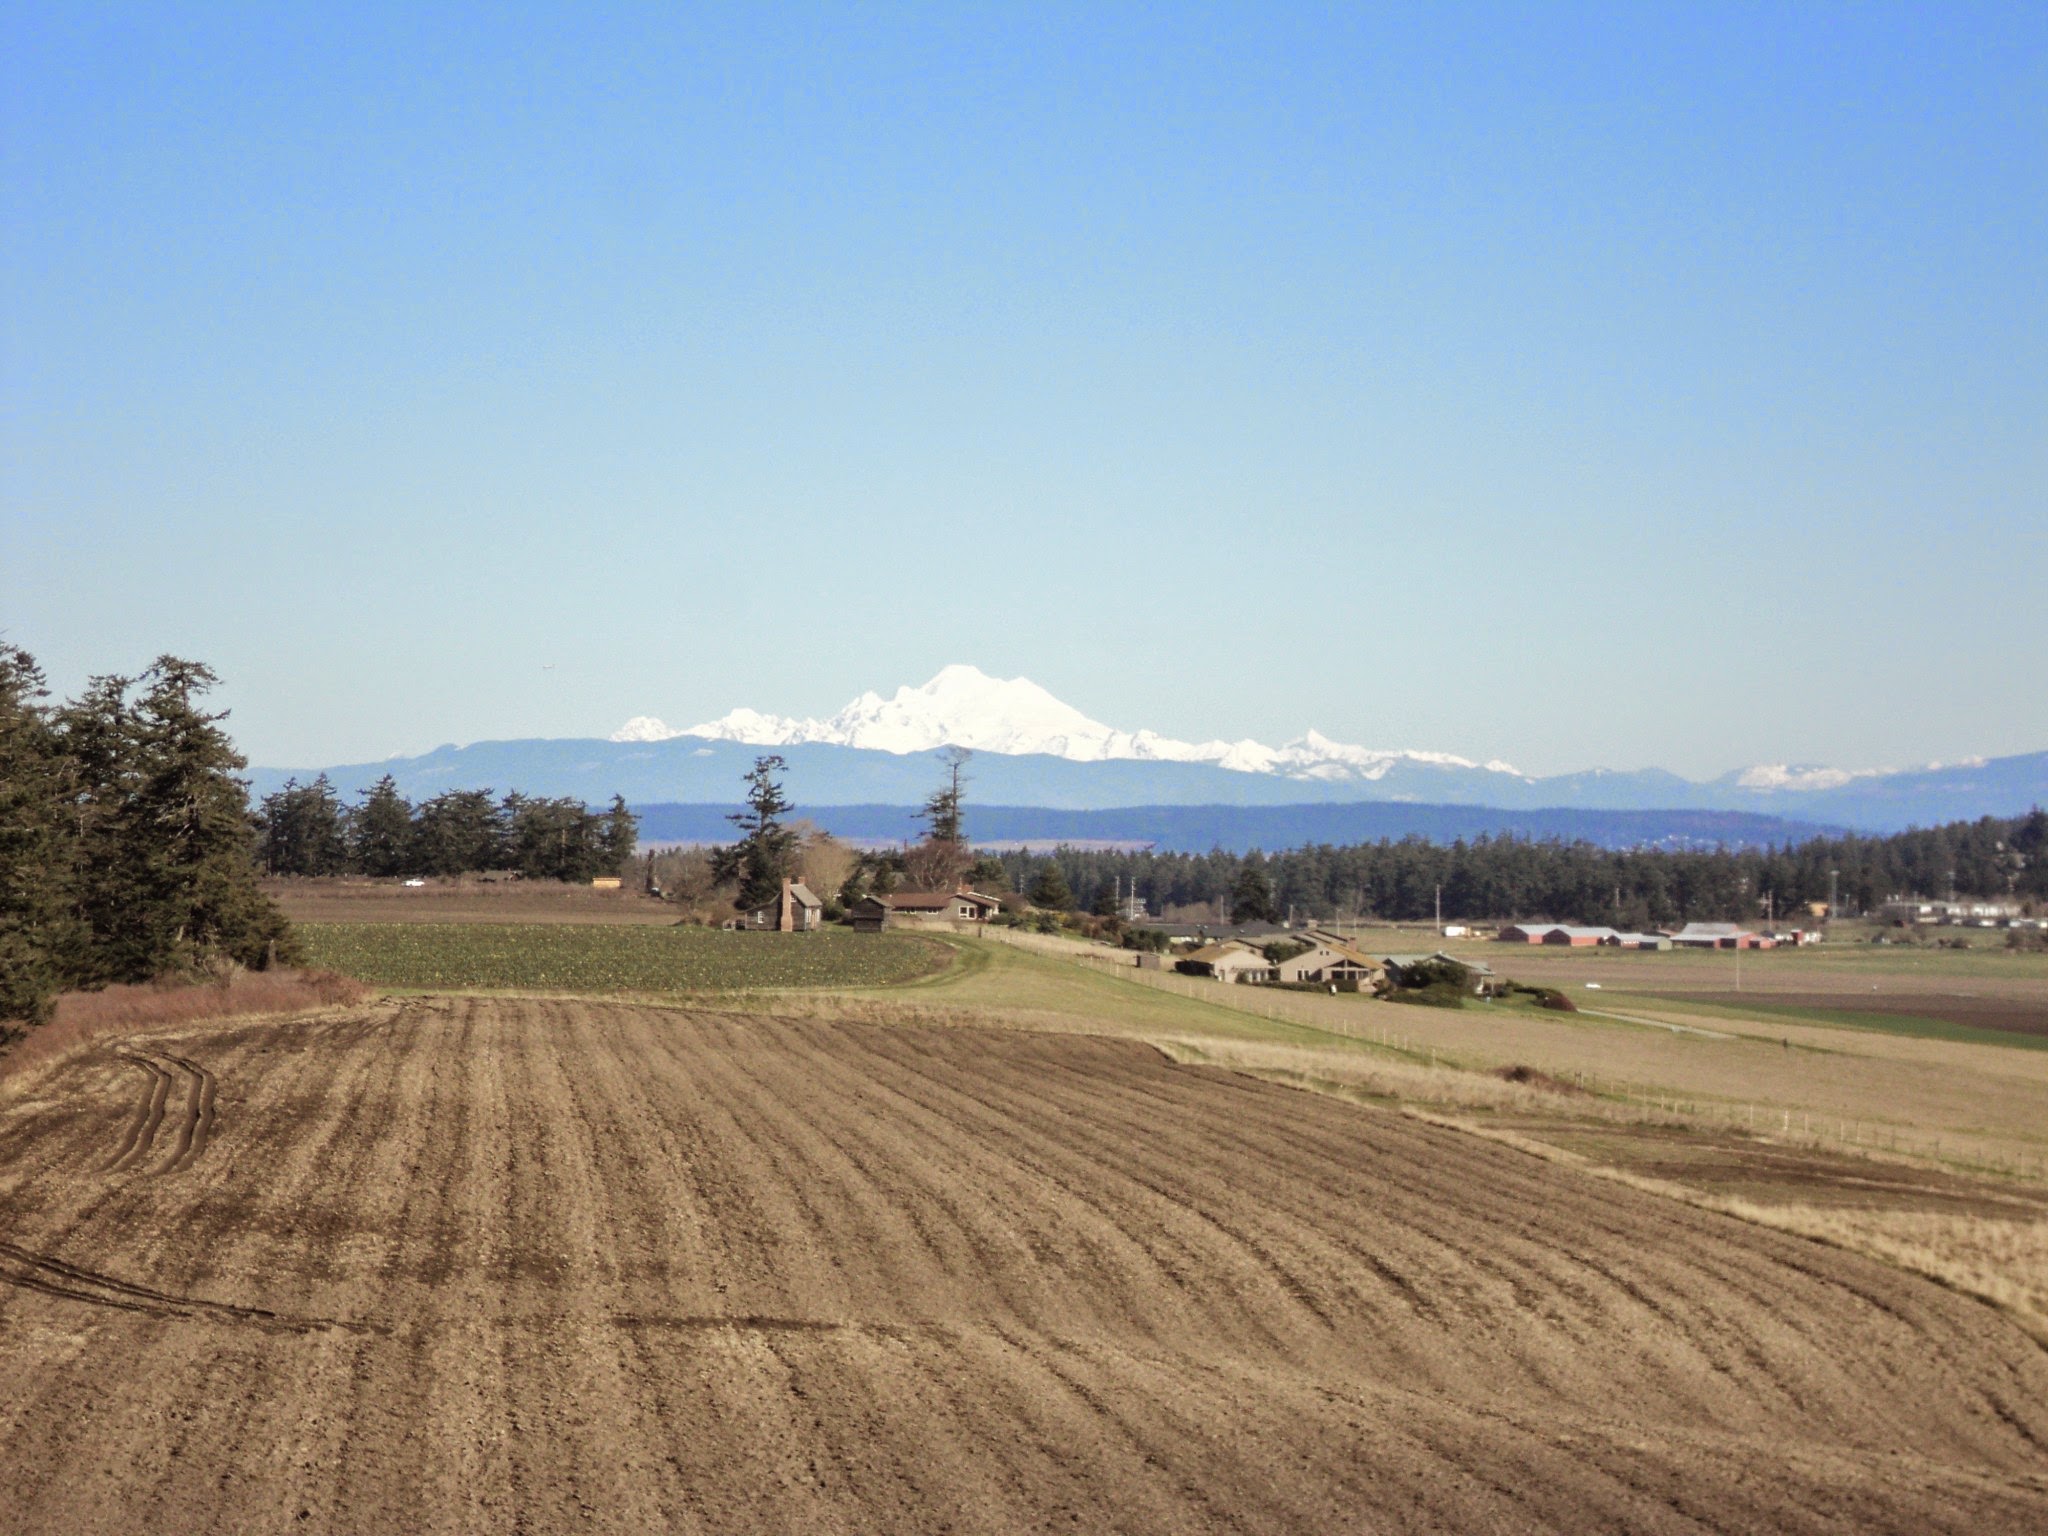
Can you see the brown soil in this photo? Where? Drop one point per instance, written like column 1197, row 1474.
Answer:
column 1978, row 1010
column 459, row 1265
column 1767, row 1171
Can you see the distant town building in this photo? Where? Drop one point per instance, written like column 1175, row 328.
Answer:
column 1969, row 909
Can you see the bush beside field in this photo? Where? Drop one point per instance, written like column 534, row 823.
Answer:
column 563, row 958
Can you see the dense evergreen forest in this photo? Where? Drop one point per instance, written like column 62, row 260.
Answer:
column 304, row 829
column 1564, row 882
column 125, row 839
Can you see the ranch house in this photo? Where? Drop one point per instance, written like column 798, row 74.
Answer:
column 1229, row 961
column 1330, row 963
column 910, row 908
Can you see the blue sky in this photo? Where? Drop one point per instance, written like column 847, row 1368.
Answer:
column 1619, row 386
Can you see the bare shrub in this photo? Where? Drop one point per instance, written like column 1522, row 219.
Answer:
column 824, row 863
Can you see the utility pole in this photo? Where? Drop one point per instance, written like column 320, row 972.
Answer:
column 1834, row 876
column 1439, row 911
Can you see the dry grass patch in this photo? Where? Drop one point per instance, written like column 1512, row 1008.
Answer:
column 84, row 1018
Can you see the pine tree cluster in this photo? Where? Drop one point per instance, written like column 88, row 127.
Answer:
column 124, row 838
column 304, row 829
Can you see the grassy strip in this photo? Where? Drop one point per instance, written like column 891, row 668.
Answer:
column 614, row 958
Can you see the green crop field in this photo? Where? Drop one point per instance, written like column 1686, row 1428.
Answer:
column 547, row 957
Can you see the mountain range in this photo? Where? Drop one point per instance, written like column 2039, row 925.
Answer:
column 1034, row 751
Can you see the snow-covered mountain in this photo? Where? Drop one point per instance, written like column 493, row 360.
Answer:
column 964, row 707
column 1039, row 753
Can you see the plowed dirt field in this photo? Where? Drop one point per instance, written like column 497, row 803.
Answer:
column 459, row 1265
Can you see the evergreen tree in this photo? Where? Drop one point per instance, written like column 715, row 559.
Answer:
column 940, row 861
column 192, row 832
column 1251, row 896
column 299, row 830
column 617, row 839
column 36, row 865
column 1049, row 888
column 380, row 831
column 761, row 859
column 458, row 833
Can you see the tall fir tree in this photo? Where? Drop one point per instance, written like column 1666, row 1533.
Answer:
column 189, row 835
column 761, row 859
column 618, row 838
column 380, row 832
column 36, row 864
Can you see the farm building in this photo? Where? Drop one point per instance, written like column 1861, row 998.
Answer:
column 1567, row 937
column 795, row 910
column 1229, row 961
column 910, row 908
column 1719, row 936
column 1328, row 963
column 1704, row 935
column 1639, row 941
column 1525, row 933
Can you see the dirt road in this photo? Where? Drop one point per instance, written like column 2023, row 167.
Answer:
column 459, row 1266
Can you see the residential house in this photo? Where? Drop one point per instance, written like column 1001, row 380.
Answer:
column 1479, row 978
column 795, row 910
column 1230, row 961
column 1328, row 963
column 900, row 909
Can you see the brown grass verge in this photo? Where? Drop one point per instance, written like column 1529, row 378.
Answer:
column 84, row 1018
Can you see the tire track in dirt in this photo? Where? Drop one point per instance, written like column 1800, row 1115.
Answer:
column 149, row 1115
column 34, row 1271
column 197, row 1125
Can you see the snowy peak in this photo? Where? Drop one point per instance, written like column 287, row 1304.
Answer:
column 1794, row 777
column 962, row 706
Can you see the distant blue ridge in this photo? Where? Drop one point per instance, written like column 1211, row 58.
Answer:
column 1238, row 829
column 1200, row 805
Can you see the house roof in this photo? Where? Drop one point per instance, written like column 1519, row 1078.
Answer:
column 1710, row 931
column 1341, row 951
column 1402, row 962
column 1579, row 933
column 932, row 901
column 1228, row 949
column 803, row 896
